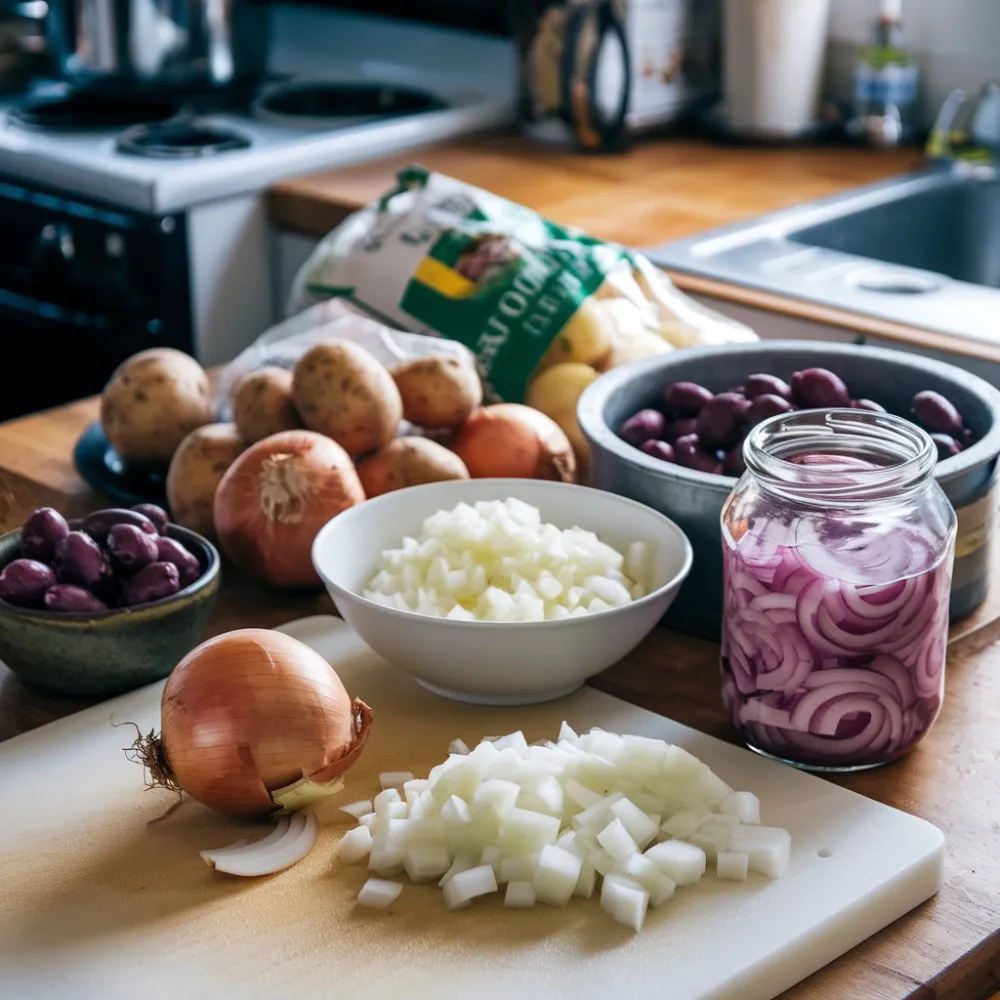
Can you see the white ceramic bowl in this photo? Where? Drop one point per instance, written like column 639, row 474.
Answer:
column 498, row 663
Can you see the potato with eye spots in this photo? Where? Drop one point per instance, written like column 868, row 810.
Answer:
column 341, row 391
column 409, row 461
column 152, row 402
column 437, row 392
column 263, row 405
column 195, row 472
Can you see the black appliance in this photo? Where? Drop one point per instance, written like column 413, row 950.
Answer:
column 82, row 287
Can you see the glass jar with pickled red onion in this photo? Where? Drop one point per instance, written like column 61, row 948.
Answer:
column 838, row 546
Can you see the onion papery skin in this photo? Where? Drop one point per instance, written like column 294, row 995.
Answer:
column 251, row 712
column 834, row 639
column 273, row 500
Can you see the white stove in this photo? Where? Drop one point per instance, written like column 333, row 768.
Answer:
column 450, row 83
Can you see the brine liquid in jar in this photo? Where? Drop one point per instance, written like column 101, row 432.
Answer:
column 837, row 554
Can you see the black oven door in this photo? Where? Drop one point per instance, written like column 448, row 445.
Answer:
column 82, row 287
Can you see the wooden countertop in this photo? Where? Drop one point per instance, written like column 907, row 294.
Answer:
column 947, row 949
column 661, row 190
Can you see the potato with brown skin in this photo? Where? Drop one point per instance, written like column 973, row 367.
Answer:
column 437, row 392
column 409, row 461
column 152, row 402
column 341, row 391
column 195, row 472
column 263, row 405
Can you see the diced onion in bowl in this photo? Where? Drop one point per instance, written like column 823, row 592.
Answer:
column 496, row 561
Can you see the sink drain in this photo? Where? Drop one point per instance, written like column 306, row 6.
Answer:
column 889, row 282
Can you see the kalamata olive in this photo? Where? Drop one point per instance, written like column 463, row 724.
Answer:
column 98, row 524
column 41, row 533
column 762, row 384
column 689, row 453
column 937, row 413
column 817, row 388
column 721, row 419
column 156, row 514
column 866, row 404
column 733, row 464
column 678, row 428
column 685, row 399
column 24, row 582
column 188, row 567
column 646, row 425
column 72, row 600
column 79, row 560
column 740, row 390
column 151, row 583
column 658, row 449
column 130, row 548
column 762, row 407
column 947, row 446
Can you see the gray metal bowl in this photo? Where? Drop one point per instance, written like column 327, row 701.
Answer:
column 694, row 499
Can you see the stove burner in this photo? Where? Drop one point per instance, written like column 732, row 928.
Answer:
column 80, row 112
column 325, row 103
column 180, row 140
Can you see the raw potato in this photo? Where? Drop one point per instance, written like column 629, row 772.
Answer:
column 263, row 405
column 409, row 461
column 437, row 392
column 556, row 392
column 587, row 337
column 640, row 345
column 198, row 466
column 152, row 402
column 343, row 392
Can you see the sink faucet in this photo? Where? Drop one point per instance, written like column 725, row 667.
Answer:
column 967, row 130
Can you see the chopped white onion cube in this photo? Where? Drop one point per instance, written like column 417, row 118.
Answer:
column 466, row 886
column 518, row 869
column 641, row 827
column 684, row 863
column 615, row 839
column 455, row 812
column 526, row 832
column 458, row 746
column 732, row 865
column 354, row 845
column 682, row 824
column 368, row 819
column 745, row 806
column 357, row 809
column 396, row 810
column 394, row 779
column 624, row 901
column 424, row 862
column 378, row 893
column 461, row 863
column 586, row 882
column 499, row 795
column 556, row 875
column 769, row 848
column 385, row 798
column 519, row 896
column 712, row 837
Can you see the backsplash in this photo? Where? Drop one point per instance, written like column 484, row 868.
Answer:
column 955, row 42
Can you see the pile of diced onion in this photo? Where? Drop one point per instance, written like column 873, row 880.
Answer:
column 496, row 561
column 635, row 816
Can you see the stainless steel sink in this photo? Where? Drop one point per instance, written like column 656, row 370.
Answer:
column 922, row 249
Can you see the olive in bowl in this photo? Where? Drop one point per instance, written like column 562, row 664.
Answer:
column 74, row 643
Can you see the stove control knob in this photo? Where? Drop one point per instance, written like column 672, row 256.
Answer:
column 56, row 240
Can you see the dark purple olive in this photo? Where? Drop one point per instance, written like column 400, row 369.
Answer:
column 646, row 425
column 188, row 567
column 866, row 404
column 689, row 453
column 72, row 600
column 739, row 390
column 678, row 428
column 937, row 413
column 818, row 388
column 947, row 446
column 762, row 407
column 130, row 548
column 151, row 583
column 721, row 420
column 766, row 385
column 41, row 533
column 98, row 524
column 658, row 449
column 24, row 582
column 79, row 560
column 156, row 514
column 685, row 399
column 733, row 464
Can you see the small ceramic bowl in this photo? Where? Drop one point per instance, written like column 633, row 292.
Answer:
column 100, row 655
column 498, row 663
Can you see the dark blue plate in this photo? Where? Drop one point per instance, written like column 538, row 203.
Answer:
column 99, row 465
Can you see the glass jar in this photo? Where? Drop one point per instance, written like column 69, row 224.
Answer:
column 838, row 546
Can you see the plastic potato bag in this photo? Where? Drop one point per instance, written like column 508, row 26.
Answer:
column 334, row 319
column 441, row 257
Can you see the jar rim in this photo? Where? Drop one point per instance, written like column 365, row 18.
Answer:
column 898, row 456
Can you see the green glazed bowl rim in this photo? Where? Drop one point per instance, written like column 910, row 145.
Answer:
column 153, row 609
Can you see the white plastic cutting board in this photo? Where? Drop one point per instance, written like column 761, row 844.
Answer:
column 96, row 905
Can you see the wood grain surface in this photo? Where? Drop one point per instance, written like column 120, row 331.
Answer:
column 661, row 190
column 947, row 949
